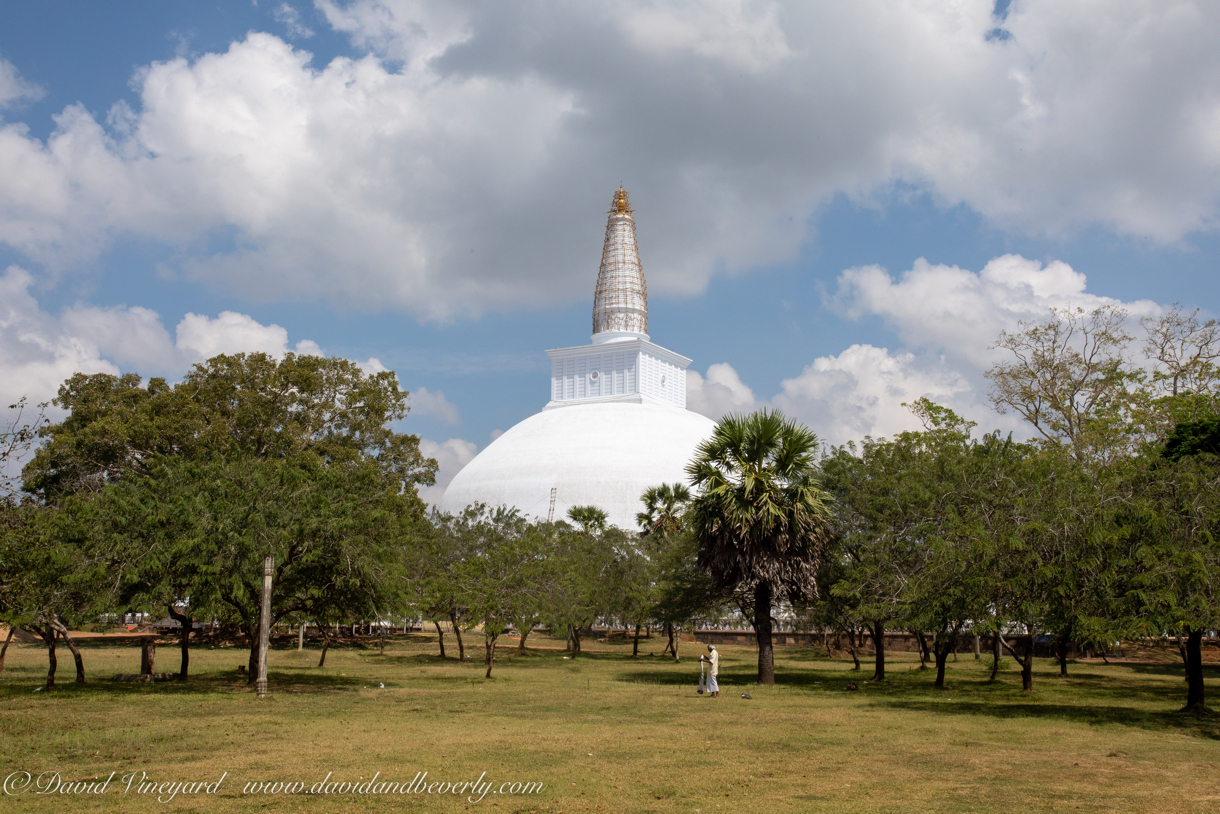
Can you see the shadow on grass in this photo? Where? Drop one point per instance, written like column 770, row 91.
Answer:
column 204, row 683
column 1103, row 698
column 1187, row 723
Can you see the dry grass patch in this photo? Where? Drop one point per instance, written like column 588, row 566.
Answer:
column 606, row 732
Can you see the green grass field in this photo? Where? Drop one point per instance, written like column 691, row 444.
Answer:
column 605, row 732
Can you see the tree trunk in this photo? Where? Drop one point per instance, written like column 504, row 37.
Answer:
column 325, row 644
column 490, row 644
column 48, row 635
column 762, row 633
column 1027, row 666
column 300, row 637
column 635, row 647
column 977, row 655
column 1185, row 658
column 942, row 655
column 524, row 632
column 1062, row 643
column 878, row 634
column 923, row 649
column 996, row 655
column 4, row 649
column 1027, row 663
column 1194, row 667
column 382, row 631
column 252, row 663
column 76, row 655
column 851, row 648
column 941, row 649
column 184, row 640
column 440, row 636
column 457, row 631
column 574, row 640
column 669, row 632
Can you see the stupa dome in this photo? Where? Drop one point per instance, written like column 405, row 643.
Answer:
column 617, row 421
column 603, row 454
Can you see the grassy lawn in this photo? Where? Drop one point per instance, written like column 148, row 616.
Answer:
column 607, row 733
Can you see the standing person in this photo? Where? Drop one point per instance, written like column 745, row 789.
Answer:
column 712, row 658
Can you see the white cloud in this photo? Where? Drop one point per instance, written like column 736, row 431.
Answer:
column 435, row 405
column 291, row 18
column 451, row 456
column 373, row 365
column 132, row 338
column 36, row 353
column 950, row 310
column 231, row 332
column 39, row 350
column 12, row 87
column 307, row 347
column 947, row 319
column 465, row 163
column 861, row 392
column 720, row 393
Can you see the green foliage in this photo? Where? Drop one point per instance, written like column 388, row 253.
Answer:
column 1193, row 438
column 245, row 406
column 200, row 529
column 1070, row 380
column 664, row 509
column 760, row 516
column 588, row 518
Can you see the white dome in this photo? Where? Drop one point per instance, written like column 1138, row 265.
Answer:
column 600, row 454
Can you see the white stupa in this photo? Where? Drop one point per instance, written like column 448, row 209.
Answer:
column 616, row 422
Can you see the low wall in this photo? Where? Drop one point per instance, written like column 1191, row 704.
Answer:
column 905, row 642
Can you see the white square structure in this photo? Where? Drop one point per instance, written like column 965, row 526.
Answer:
column 631, row 370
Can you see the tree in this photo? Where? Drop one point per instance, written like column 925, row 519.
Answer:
column 760, row 518
column 588, row 518
column 1174, row 521
column 664, row 510
column 17, row 437
column 1184, row 351
column 255, row 454
column 875, row 517
column 581, row 588
column 202, row 528
column 47, row 580
column 1069, row 379
column 506, row 572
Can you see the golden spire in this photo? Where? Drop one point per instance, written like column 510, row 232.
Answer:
column 620, row 205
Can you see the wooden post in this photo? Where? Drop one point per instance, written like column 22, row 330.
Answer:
column 264, row 626
column 148, row 657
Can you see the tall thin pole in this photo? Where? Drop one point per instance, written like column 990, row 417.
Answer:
column 264, row 626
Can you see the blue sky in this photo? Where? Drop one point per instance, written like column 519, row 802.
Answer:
column 426, row 186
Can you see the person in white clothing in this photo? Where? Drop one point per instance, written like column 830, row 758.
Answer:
column 712, row 658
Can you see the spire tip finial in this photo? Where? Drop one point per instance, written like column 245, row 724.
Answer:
column 620, row 204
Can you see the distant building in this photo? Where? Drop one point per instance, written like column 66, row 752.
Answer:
column 616, row 422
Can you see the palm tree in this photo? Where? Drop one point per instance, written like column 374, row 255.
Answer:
column 760, row 517
column 664, row 506
column 590, row 518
